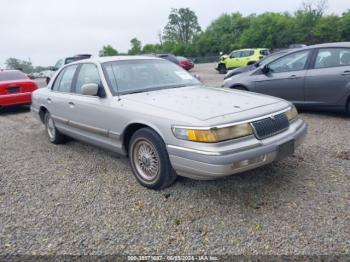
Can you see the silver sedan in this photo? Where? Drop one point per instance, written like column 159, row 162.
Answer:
column 165, row 120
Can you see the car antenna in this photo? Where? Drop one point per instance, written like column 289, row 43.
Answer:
column 116, row 84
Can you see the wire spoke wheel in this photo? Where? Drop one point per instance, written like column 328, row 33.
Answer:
column 146, row 160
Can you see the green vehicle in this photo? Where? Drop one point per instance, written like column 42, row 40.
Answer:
column 241, row 58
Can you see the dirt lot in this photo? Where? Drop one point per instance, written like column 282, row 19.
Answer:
column 78, row 199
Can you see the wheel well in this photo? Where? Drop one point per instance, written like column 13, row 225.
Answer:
column 129, row 131
column 42, row 112
column 239, row 87
column 347, row 106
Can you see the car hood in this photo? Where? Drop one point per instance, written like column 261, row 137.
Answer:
column 240, row 70
column 202, row 103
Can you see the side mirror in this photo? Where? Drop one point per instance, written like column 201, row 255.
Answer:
column 265, row 69
column 90, row 89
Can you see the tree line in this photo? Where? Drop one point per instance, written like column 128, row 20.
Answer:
column 182, row 35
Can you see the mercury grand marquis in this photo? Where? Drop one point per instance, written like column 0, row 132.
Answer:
column 165, row 120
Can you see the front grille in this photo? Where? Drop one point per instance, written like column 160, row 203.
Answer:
column 270, row 126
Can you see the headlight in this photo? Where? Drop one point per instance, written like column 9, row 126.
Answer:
column 213, row 135
column 292, row 113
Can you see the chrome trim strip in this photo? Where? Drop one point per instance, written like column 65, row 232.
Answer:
column 234, row 123
column 95, row 130
column 113, row 135
column 195, row 150
column 59, row 119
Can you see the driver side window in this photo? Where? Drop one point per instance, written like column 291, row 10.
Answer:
column 235, row 54
column 293, row 62
column 88, row 74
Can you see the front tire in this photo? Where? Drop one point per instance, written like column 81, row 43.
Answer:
column 149, row 160
column 53, row 134
column 222, row 69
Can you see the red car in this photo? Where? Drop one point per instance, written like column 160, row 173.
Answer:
column 185, row 63
column 15, row 88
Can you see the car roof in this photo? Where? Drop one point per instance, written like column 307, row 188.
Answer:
column 249, row 49
column 115, row 58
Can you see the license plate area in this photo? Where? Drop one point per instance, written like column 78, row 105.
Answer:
column 286, row 149
column 12, row 90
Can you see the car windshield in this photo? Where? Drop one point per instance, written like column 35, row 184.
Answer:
column 12, row 75
column 269, row 59
column 134, row 76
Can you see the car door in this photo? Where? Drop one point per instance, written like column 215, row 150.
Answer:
column 245, row 57
column 285, row 77
column 57, row 100
column 91, row 117
column 233, row 60
column 327, row 82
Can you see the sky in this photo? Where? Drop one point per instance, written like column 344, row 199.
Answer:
column 47, row 30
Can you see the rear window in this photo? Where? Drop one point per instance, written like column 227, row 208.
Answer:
column 12, row 75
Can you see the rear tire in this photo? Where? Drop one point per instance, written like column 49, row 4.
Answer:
column 222, row 69
column 149, row 160
column 53, row 134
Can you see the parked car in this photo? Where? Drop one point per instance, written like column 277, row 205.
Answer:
column 185, row 63
column 315, row 76
column 15, row 88
column 293, row 46
column 163, row 118
column 265, row 60
column 240, row 58
column 62, row 62
column 181, row 61
column 70, row 59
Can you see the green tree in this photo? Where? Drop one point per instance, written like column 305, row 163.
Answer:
column 327, row 29
column 306, row 19
column 222, row 34
column 108, row 50
column 152, row 49
column 136, row 46
column 269, row 30
column 345, row 26
column 182, row 26
column 14, row 63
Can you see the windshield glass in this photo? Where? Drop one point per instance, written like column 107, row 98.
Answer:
column 130, row 76
column 12, row 75
column 270, row 58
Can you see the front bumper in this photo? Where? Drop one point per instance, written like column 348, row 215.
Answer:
column 206, row 165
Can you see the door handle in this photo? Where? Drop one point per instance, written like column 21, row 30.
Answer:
column 49, row 100
column 346, row 72
column 292, row 77
column 71, row 104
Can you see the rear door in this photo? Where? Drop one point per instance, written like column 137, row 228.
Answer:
column 57, row 101
column 233, row 60
column 285, row 78
column 327, row 83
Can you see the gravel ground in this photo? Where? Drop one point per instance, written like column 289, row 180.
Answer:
column 78, row 199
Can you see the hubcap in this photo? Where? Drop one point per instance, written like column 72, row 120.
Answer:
column 146, row 160
column 51, row 128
